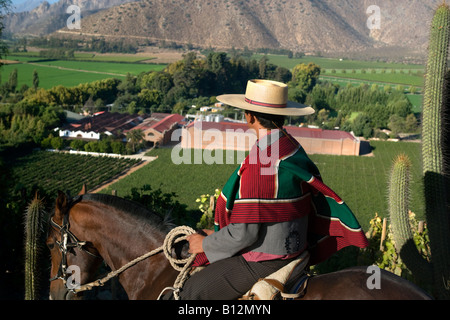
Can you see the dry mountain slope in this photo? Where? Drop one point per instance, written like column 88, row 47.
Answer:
column 48, row 18
column 299, row 25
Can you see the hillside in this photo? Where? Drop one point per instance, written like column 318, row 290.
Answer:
column 47, row 18
column 311, row 26
column 299, row 25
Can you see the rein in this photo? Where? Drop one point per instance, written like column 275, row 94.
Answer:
column 70, row 241
column 174, row 236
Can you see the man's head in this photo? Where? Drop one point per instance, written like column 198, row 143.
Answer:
column 267, row 121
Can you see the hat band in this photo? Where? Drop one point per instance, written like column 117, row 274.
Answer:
column 263, row 104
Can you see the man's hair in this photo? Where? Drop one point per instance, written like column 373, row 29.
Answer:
column 269, row 121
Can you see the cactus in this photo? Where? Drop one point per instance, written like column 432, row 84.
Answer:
column 432, row 149
column 399, row 196
column 34, row 231
column 433, row 159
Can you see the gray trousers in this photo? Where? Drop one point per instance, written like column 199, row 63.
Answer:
column 228, row 279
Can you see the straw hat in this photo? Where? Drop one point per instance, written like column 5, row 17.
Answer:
column 266, row 96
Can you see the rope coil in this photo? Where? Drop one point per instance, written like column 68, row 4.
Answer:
column 173, row 237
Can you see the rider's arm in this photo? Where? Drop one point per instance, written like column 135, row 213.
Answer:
column 230, row 240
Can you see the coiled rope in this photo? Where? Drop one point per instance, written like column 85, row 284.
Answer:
column 173, row 237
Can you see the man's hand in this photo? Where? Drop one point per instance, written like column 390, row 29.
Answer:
column 195, row 243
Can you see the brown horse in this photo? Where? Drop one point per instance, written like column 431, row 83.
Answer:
column 117, row 231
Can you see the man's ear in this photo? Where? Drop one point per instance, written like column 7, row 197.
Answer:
column 250, row 117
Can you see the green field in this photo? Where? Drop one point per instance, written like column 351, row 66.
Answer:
column 329, row 63
column 389, row 77
column 83, row 56
column 360, row 181
column 71, row 73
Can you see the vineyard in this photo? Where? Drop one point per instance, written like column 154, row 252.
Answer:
column 51, row 172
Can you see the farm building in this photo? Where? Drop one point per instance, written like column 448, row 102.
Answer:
column 158, row 127
column 319, row 141
column 237, row 136
column 109, row 123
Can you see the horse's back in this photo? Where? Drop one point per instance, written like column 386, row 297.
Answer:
column 362, row 283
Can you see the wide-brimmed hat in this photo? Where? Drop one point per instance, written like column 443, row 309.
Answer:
column 266, row 96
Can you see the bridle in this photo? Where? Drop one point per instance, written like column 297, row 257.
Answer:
column 68, row 242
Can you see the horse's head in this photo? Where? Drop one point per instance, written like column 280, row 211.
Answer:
column 73, row 262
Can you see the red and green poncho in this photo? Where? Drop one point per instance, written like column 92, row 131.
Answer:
column 283, row 184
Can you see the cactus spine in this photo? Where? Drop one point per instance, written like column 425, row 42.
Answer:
column 433, row 160
column 34, row 229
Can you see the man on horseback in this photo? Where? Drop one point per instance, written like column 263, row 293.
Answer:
column 273, row 208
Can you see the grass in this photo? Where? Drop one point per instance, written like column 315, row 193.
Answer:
column 361, row 181
column 416, row 100
column 104, row 67
column 72, row 73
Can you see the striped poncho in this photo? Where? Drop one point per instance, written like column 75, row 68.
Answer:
column 280, row 183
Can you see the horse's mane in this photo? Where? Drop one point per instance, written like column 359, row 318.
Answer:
column 133, row 208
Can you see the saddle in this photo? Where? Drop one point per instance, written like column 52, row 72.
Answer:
column 287, row 283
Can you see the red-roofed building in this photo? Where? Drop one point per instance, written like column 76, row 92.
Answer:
column 158, row 127
column 319, row 141
column 237, row 136
column 109, row 123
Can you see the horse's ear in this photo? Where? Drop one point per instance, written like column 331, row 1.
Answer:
column 83, row 190
column 60, row 207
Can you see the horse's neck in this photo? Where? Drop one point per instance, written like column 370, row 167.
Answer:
column 123, row 237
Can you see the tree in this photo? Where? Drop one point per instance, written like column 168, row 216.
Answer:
column 12, row 82
column 263, row 67
column 396, row 124
column 134, row 138
column 57, row 143
column 148, row 98
column 305, row 76
column 35, row 80
column 77, row 144
column 411, row 124
column 5, row 8
column 361, row 126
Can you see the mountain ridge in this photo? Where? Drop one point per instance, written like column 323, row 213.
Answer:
column 325, row 26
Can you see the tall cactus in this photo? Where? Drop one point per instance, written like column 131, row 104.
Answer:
column 433, row 129
column 34, row 229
